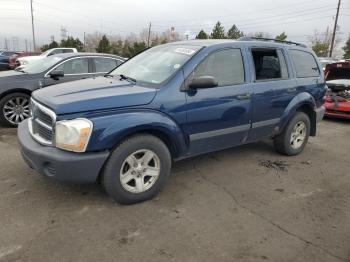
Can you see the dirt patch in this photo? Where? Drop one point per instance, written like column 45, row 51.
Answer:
column 278, row 165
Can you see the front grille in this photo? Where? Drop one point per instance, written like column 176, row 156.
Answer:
column 41, row 123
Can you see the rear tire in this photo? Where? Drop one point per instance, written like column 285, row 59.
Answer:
column 137, row 169
column 14, row 108
column 294, row 136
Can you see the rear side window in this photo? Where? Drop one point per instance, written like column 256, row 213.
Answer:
column 67, row 50
column 305, row 64
column 225, row 65
column 269, row 64
column 104, row 65
column 75, row 66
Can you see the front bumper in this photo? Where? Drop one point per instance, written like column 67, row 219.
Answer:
column 59, row 164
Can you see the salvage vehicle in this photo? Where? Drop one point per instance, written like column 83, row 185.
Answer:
column 24, row 61
column 337, row 102
column 17, row 85
column 172, row 102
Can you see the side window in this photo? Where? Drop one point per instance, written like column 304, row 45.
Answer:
column 225, row 65
column 269, row 64
column 55, row 52
column 67, row 50
column 75, row 66
column 104, row 65
column 305, row 63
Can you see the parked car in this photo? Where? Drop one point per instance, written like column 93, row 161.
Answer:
column 13, row 63
column 4, row 63
column 16, row 86
column 338, row 95
column 172, row 102
column 326, row 61
column 24, row 61
column 7, row 53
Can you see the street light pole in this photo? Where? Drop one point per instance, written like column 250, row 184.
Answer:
column 31, row 8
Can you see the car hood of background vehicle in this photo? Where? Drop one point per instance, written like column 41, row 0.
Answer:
column 30, row 58
column 93, row 94
column 13, row 77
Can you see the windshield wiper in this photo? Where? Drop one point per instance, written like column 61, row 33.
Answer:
column 20, row 70
column 127, row 78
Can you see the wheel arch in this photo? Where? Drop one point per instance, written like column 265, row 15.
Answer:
column 15, row 90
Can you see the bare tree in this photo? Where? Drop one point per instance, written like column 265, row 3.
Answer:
column 321, row 42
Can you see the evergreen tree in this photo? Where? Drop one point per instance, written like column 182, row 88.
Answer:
column 346, row 49
column 71, row 42
column 202, row 35
column 281, row 37
column 103, row 46
column 321, row 49
column 234, row 33
column 218, row 32
column 45, row 47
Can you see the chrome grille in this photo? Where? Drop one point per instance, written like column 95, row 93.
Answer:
column 41, row 124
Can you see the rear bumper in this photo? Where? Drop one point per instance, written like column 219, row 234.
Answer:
column 320, row 112
column 59, row 164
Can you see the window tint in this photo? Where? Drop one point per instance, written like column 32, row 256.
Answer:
column 67, row 50
column 225, row 65
column 269, row 64
column 104, row 65
column 75, row 66
column 305, row 64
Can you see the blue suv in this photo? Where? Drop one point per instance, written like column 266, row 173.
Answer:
column 172, row 102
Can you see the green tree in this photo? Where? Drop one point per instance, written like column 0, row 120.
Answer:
column 72, row 42
column 234, row 33
column 346, row 49
column 321, row 49
column 218, row 31
column 202, row 35
column 103, row 46
column 136, row 48
column 45, row 47
column 281, row 37
column 117, row 47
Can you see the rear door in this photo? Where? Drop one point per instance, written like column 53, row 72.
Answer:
column 219, row 117
column 74, row 69
column 273, row 89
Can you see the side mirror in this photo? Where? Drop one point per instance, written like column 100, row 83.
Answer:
column 203, row 82
column 55, row 74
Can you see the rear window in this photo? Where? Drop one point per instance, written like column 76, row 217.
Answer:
column 305, row 64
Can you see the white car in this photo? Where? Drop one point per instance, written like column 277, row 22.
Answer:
column 23, row 61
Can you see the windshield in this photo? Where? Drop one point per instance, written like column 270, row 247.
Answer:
column 45, row 53
column 41, row 65
column 157, row 64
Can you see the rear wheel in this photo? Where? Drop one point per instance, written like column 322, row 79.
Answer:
column 295, row 135
column 14, row 108
column 137, row 169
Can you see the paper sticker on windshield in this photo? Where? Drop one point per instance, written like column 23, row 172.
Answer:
column 185, row 51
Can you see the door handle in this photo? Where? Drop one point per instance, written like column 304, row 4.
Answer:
column 291, row 90
column 243, row 96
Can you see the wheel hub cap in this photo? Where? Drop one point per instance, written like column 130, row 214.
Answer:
column 140, row 171
column 298, row 135
column 16, row 109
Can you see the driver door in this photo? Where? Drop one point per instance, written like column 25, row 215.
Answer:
column 74, row 69
column 219, row 117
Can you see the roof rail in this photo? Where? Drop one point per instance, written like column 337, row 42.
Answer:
column 251, row 38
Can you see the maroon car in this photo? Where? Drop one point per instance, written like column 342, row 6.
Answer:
column 13, row 58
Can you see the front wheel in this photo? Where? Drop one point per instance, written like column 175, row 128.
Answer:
column 294, row 136
column 14, row 108
column 137, row 169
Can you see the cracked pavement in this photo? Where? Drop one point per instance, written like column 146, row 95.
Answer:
column 223, row 206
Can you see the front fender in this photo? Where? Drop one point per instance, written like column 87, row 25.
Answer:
column 301, row 100
column 111, row 129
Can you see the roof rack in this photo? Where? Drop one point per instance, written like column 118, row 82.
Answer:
column 251, row 38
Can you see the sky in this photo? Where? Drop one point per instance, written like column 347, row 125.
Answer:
column 298, row 18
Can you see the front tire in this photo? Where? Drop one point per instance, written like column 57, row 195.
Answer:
column 294, row 136
column 14, row 108
column 137, row 169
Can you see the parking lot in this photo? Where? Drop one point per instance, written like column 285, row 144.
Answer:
column 241, row 204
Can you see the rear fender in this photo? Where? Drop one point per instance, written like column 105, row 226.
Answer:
column 301, row 102
column 110, row 130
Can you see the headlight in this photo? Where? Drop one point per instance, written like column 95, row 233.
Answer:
column 23, row 62
column 73, row 135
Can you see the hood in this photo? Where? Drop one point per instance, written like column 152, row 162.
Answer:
column 93, row 94
column 29, row 58
column 14, row 77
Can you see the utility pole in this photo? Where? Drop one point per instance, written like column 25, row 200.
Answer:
column 334, row 30
column 84, row 43
column 31, row 9
column 26, row 43
column 6, row 45
column 149, row 34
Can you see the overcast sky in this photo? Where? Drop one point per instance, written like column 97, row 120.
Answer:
column 297, row 18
